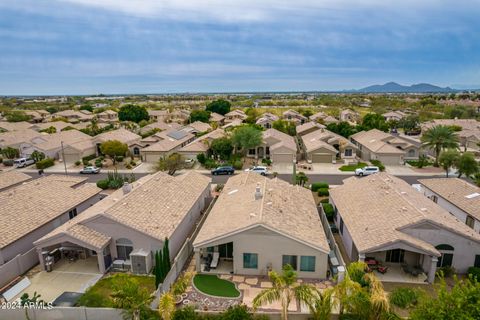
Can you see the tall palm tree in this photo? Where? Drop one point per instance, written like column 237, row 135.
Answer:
column 129, row 296
column 438, row 138
column 380, row 305
column 285, row 288
column 321, row 304
column 166, row 306
column 343, row 291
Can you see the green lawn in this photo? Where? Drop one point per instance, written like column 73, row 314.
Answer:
column 214, row 286
column 352, row 167
column 99, row 294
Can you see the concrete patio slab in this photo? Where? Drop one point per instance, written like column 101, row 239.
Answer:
column 251, row 281
column 250, row 294
column 238, row 279
column 266, row 284
column 243, row 286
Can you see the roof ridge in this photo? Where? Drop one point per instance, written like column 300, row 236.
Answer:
column 263, row 198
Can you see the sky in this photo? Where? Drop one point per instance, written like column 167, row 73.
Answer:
column 53, row 47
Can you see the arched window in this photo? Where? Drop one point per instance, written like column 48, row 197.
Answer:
column 411, row 153
column 136, row 151
column 124, row 248
column 446, row 259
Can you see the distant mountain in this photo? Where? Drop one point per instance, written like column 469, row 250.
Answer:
column 393, row 87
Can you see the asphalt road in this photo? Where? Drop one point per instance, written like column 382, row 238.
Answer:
column 333, row 179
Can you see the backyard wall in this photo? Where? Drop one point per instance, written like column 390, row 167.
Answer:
column 17, row 266
column 64, row 313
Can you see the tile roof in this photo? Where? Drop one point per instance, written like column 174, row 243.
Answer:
column 160, row 125
column 282, row 139
column 287, row 209
column 376, row 141
column 14, row 126
column 201, row 144
column 456, row 191
column 168, row 142
column 386, row 205
column 470, row 127
column 12, row 177
column 13, row 138
column 28, row 206
column 59, row 125
column 323, row 138
column 122, row 135
column 307, row 126
column 236, row 112
column 53, row 141
column 200, row 126
column 216, row 117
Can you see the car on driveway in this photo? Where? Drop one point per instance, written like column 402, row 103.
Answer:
column 90, row 170
column 258, row 169
column 366, row 171
column 23, row 162
column 223, row 170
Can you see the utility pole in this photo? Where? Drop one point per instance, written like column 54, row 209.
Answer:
column 63, row 157
column 294, row 177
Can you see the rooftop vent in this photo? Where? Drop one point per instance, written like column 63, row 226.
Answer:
column 423, row 209
column 127, row 187
column 258, row 192
column 473, row 195
column 233, row 191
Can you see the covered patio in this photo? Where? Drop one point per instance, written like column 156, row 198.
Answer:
column 215, row 259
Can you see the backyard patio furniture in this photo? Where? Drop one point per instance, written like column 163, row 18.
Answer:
column 214, row 263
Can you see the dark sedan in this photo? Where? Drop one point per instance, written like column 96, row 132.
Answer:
column 223, row 170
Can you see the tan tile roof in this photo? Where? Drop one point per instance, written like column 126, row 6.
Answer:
column 14, row 126
column 470, row 127
column 160, row 125
column 294, row 113
column 201, row 144
column 122, row 135
column 287, row 209
column 233, row 123
column 267, row 117
column 53, row 141
column 200, row 126
column 59, row 125
column 88, row 235
column 13, row 138
column 376, row 141
column 30, row 205
column 236, row 112
column 456, row 191
column 216, row 117
column 158, row 113
column 323, row 138
column 376, row 216
column 282, row 139
column 167, row 143
column 12, row 177
column 307, row 126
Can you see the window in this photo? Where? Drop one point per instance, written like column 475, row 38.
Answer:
column 411, row 153
column 136, row 151
column 348, row 152
column 124, row 248
column 291, row 260
column 434, row 198
column 307, row 263
column 250, row 260
column 477, row 261
column 395, row 256
column 251, row 152
column 446, row 259
column 470, row 221
column 341, row 225
column 72, row 213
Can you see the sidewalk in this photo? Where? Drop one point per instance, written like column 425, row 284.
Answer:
column 72, row 168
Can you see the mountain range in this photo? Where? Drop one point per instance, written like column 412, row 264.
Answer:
column 393, row 87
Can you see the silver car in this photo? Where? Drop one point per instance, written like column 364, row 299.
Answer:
column 365, row 171
column 90, row 170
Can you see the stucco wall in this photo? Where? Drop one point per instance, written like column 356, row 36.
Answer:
column 270, row 247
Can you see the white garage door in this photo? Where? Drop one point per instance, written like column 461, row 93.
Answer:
column 282, row 158
column 322, row 158
column 72, row 158
column 389, row 160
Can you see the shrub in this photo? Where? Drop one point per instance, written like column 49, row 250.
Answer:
column 45, row 163
column 103, row 184
column 133, row 163
column 324, row 200
column 323, row 192
column 85, row 162
column 237, row 165
column 115, row 184
column 119, row 158
column 447, row 271
column 78, row 162
column 404, row 297
column 101, row 158
column 267, row 161
column 1, row 160
column 329, row 211
column 98, row 164
column 201, row 158
column 319, row 185
column 210, row 164
column 88, row 158
column 8, row 162
column 379, row 164
column 474, row 272
column 128, row 166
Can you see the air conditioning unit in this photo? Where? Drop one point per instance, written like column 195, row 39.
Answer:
column 141, row 261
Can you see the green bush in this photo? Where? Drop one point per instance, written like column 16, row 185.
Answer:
column 210, row 164
column 474, row 272
column 267, row 161
column 78, row 162
column 119, row 158
column 98, row 164
column 201, row 158
column 8, row 162
column 115, row 183
column 404, row 297
column 45, row 163
column 447, row 271
column 103, row 184
column 379, row 164
column 128, row 166
column 319, row 185
column 323, row 192
column 85, row 162
column 329, row 211
column 88, row 158
column 237, row 165
column 326, row 200
column 133, row 163
column 1, row 160
column 101, row 158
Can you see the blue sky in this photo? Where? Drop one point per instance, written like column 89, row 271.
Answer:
column 156, row 46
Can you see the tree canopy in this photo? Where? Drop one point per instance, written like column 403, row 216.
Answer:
column 113, row 149
column 448, row 159
column 246, row 137
column 171, row 163
column 374, row 121
column 219, row 106
column 222, row 148
column 17, row 116
column 284, row 126
column 438, row 138
column 200, row 115
column 342, row 128
column 466, row 164
column 132, row 112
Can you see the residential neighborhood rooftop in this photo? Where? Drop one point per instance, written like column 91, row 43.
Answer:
column 12, row 177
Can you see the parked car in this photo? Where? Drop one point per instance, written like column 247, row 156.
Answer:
column 23, row 162
column 365, row 171
column 223, row 170
column 258, row 169
column 90, row 170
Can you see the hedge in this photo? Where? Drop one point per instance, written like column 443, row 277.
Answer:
column 119, row 158
column 323, row 192
column 329, row 211
column 324, row 200
column 474, row 272
column 8, row 162
column 319, row 185
column 404, row 297
column 88, row 158
column 379, row 164
column 45, row 163
column 103, row 184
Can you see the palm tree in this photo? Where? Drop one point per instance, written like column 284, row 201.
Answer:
column 26, row 301
column 438, row 138
column 380, row 305
column 129, row 296
column 285, row 289
column 343, row 291
column 166, row 306
column 321, row 305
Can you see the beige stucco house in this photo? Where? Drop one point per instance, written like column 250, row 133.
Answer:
column 217, row 118
column 276, row 146
column 469, row 134
column 322, row 117
column 276, row 224
column 390, row 221
column 294, row 116
column 164, row 143
column 266, row 120
column 108, row 116
column 235, row 115
column 126, row 228
column 308, row 127
column 200, row 145
column 395, row 115
column 324, row 146
column 131, row 139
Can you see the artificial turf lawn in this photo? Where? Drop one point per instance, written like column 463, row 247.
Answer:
column 214, row 286
column 352, row 167
column 99, row 294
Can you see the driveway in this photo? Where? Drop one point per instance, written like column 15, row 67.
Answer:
column 66, row 276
